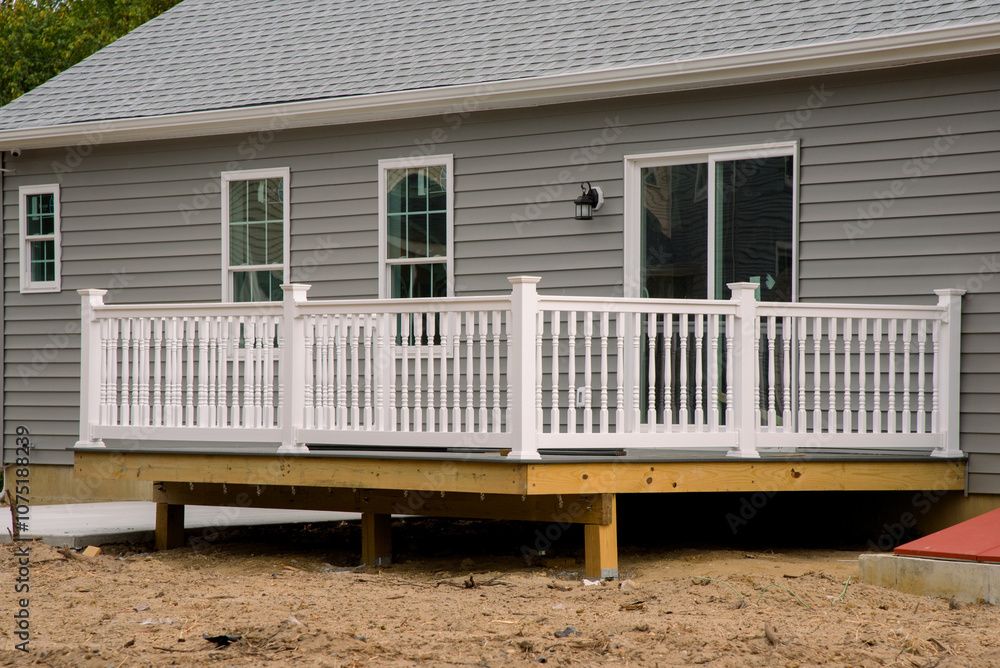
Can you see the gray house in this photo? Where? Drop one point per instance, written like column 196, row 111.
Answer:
column 522, row 249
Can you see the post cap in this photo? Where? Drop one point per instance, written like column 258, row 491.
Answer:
column 521, row 280
column 744, row 285
column 945, row 292
column 92, row 292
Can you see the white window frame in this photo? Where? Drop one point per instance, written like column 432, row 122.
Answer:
column 384, row 263
column 633, row 203
column 284, row 173
column 28, row 285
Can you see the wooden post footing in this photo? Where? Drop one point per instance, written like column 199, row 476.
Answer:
column 376, row 539
column 600, row 546
column 169, row 526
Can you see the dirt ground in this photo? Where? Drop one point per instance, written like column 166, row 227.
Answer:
column 292, row 596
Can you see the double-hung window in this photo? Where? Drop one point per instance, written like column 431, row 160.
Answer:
column 255, row 234
column 40, row 238
column 415, row 227
column 699, row 220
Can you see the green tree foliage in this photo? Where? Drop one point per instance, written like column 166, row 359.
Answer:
column 41, row 38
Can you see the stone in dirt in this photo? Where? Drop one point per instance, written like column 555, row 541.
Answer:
column 92, row 551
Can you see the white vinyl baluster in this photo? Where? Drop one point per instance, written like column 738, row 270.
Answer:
column 921, row 370
column 786, row 373
column 418, row 377
column 103, row 396
column 126, row 418
column 620, row 373
column 470, row 372
column 315, row 329
column 157, row 416
column 877, row 376
column 483, row 405
column 404, row 415
column 554, row 409
column 270, row 325
column 189, row 386
column 713, row 372
column 935, row 373
column 588, row 372
column 668, row 371
column 203, row 366
column 848, row 341
column 758, row 413
column 772, row 413
column 319, row 387
column 730, row 372
column 651, row 371
column 539, row 409
column 355, row 333
column 831, row 405
column 571, row 373
column 907, row 343
column 236, row 334
column 392, row 324
column 682, row 390
column 213, row 371
column 636, row 334
column 603, row 415
column 817, row 375
column 699, row 346
column 496, row 371
column 136, row 365
column 507, row 315
column 431, row 407
column 370, row 324
column 225, row 325
column 862, row 376
column 890, row 417
column 443, row 393
column 144, row 335
column 800, row 342
column 455, row 325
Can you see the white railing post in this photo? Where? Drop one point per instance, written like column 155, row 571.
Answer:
column 948, row 363
column 521, row 368
column 90, row 367
column 293, row 372
column 744, row 296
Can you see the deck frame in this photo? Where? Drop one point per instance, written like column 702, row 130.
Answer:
column 565, row 492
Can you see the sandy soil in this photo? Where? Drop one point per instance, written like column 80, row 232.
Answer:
column 292, row 596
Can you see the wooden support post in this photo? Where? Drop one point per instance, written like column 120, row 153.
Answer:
column 376, row 539
column 169, row 526
column 600, row 546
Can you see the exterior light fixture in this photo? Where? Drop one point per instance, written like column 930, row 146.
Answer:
column 588, row 202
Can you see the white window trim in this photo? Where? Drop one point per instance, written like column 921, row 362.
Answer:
column 633, row 200
column 448, row 161
column 284, row 173
column 27, row 285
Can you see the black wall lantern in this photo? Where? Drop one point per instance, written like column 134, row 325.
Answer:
column 588, row 202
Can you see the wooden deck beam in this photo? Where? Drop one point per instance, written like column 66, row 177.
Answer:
column 523, row 478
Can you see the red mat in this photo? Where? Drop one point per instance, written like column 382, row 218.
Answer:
column 977, row 539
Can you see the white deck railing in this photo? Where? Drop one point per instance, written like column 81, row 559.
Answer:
column 524, row 372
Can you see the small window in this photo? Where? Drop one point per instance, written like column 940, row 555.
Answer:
column 415, row 227
column 40, row 239
column 255, row 235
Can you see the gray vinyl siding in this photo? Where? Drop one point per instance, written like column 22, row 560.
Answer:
column 142, row 219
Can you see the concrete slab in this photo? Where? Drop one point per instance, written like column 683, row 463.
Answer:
column 81, row 524
column 964, row 581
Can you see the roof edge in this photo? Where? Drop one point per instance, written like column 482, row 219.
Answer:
column 832, row 57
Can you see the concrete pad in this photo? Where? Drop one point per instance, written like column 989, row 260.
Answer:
column 964, row 581
column 80, row 524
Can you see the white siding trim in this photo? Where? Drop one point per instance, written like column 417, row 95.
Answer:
column 27, row 285
column 633, row 196
column 448, row 161
column 284, row 173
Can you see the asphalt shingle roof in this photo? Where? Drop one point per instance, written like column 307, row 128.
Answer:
column 222, row 54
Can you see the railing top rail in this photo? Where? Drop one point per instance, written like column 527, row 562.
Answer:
column 429, row 305
column 637, row 305
column 197, row 309
column 829, row 310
